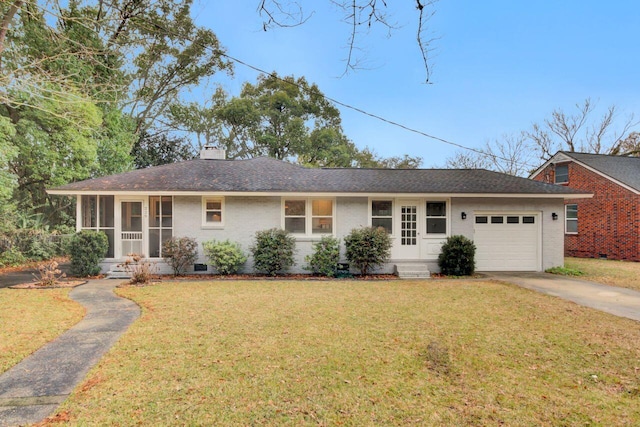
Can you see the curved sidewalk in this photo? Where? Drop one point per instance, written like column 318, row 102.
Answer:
column 621, row 302
column 33, row 389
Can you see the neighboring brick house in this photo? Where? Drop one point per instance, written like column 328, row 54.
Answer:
column 607, row 225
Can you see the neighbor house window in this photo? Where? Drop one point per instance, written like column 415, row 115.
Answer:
column 436, row 218
column 212, row 212
column 562, row 174
column 382, row 214
column 97, row 214
column 308, row 216
column 160, row 223
column 571, row 218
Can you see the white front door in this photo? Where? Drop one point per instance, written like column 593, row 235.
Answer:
column 407, row 243
column 131, row 227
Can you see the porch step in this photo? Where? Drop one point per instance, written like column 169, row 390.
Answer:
column 412, row 270
column 118, row 272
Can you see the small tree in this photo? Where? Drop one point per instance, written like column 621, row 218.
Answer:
column 326, row 254
column 367, row 248
column 226, row 257
column 87, row 249
column 273, row 251
column 179, row 252
column 457, row 257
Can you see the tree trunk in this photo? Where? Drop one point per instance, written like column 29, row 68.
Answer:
column 6, row 20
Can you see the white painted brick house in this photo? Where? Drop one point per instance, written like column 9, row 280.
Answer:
column 516, row 223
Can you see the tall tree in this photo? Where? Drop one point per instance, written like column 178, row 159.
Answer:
column 160, row 149
column 281, row 117
column 578, row 132
column 368, row 158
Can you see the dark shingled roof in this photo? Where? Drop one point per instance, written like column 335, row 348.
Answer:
column 621, row 168
column 267, row 175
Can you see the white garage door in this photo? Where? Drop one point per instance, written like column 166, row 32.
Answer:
column 507, row 242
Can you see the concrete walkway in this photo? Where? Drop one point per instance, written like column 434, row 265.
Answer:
column 34, row 388
column 618, row 301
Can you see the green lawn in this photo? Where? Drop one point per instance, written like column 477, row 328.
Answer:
column 30, row 318
column 440, row 352
column 610, row 272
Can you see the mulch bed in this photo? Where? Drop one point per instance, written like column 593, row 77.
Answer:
column 72, row 283
column 302, row 277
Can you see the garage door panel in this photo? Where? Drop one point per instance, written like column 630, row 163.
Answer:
column 507, row 246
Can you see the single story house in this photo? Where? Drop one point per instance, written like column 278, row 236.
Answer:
column 607, row 225
column 516, row 223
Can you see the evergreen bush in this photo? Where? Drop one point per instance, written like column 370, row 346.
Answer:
column 11, row 257
column 367, row 248
column 273, row 251
column 457, row 257
column 87, row 249
column 326, row 254
column 226, row 257
column 179, row 253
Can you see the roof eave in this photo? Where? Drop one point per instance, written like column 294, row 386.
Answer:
column 319, row 194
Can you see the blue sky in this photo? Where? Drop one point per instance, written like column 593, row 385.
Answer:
column 498, row 66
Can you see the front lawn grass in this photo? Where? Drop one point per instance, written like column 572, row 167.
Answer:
column 446, row 352
column 609, row 272
column 31, row 318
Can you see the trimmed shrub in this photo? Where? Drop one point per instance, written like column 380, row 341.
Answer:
column 226, row 257
column 11, row 258
column 273, row 251
column 326, row 254
column 87, row 249
column 179, row 253
column 457, row 257
column 367, row 248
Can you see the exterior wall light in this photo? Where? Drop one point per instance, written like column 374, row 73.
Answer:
column 463, row 215
column 554, row 216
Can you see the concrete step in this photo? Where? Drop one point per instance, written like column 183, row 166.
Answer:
column 118, row 272
column 412, row 270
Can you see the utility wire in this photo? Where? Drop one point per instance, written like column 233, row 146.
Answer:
column 156, row 26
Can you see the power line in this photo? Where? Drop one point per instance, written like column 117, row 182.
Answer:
column 156, row 26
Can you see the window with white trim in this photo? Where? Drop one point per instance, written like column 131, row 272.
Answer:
column 562, row 174
column 571, row 219
column 308, row 216
column 382, row 214
column 212, row 211
column 436, row 217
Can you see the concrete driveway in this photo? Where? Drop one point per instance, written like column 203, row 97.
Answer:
column 618, row 301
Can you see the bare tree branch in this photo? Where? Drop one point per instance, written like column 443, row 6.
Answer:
column 293, row 16
column 358, row 14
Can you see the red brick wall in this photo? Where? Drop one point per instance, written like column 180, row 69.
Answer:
column 608, row 224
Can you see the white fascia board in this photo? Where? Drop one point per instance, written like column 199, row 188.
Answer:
column 310, row 194
column 556, row 158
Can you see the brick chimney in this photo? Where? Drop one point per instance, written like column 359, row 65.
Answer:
column 209, row 152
